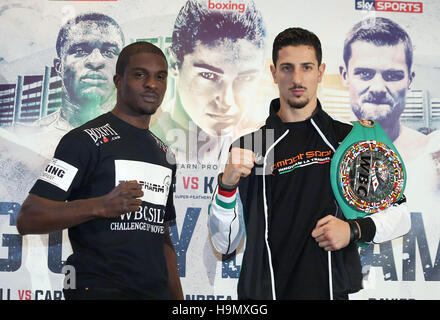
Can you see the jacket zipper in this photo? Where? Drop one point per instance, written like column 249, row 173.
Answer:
column 329, row 253
column 266, row 235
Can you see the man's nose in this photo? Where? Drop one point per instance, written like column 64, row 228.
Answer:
column 297, row 76
column 226, row 96
column 95, row 60
column 377, row 96
column 150, row 82
column 377, row 84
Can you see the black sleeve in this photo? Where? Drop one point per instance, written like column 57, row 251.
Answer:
column 65, row 172
column 170, row 211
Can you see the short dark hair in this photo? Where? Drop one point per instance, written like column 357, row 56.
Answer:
column 296, row 37
column 99, row 18
column 197, row 23
column 380, row 32
column 135, row 48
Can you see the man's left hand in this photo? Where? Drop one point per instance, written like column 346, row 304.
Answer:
column 331, row 233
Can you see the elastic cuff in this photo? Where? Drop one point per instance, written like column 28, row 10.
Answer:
column 224, row 187
column 227, row 194
column 354, row 231
column 368, row 229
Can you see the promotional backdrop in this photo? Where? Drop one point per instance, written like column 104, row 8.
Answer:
column 57, row 61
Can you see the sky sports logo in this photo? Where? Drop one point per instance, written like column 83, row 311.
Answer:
column 389, row 6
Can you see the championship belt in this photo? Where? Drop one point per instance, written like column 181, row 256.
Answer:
column 367, row 174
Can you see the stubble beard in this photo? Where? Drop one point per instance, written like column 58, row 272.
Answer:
column 298, row 104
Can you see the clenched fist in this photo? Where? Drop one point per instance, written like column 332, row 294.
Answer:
column 240, row 164
column 123, row 198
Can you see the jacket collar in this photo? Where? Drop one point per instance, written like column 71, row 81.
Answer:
column 321, row 118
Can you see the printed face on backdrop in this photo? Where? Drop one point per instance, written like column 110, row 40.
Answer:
column 297, row 75
column 142, row 86
column 87, row 62
column 378, row 79
column 215, row 83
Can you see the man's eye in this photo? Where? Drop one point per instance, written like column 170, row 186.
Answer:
column 139, row 75
column 246, row 78
column 393, row 75
column 286, row 68
column 210, row 76
column 162, row 77
column 109, row 53
column 365, row 74
column 79, row 52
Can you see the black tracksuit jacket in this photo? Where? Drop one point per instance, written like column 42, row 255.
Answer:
column 255, row 281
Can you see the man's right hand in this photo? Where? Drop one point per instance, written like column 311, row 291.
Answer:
column 40, row 215
column 123, row 198
column 240, row 164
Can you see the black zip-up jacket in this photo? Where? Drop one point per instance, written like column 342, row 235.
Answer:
column 251, row 208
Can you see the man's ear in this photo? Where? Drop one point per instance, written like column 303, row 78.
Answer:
column 343, row 73
column 174, row 65
column 273, row 71
column 57, row 65
column 411, row 78
column 117, row 80
column 173, row 70
column 321, row 71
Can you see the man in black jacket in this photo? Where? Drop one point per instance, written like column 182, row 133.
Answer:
column 276, row 189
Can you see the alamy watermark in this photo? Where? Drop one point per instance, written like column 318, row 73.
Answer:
column 70, row 277
column 196, row 146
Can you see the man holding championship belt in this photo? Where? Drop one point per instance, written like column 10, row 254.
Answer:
column 276, row 189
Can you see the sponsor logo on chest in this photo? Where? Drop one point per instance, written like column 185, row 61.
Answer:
column 156, row 182
column 305, row 159
column 102, row 134
column 155, row 179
